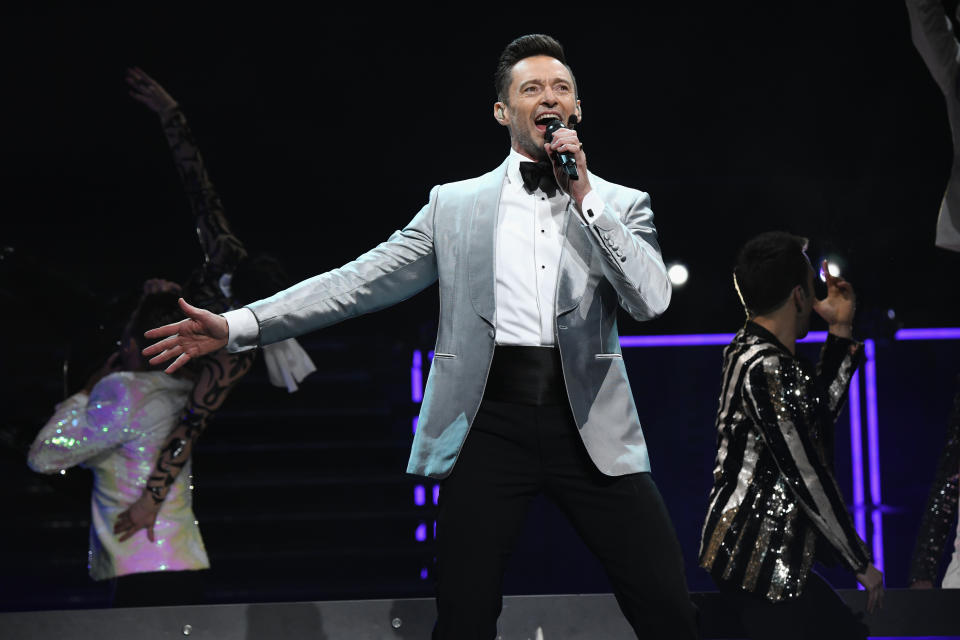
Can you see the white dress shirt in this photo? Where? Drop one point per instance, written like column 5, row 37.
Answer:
column 530, row 229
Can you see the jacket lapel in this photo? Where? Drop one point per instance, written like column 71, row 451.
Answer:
column 483, row 241
column 574, row 263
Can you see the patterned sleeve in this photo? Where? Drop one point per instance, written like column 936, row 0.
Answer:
column 222, row 250
column 940, row 514
column 218, row 375
column 780, row 401
column 839, row 360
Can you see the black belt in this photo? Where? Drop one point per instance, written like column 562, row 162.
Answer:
column 526, row 375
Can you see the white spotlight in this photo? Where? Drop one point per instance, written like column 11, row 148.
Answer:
column 678, row 274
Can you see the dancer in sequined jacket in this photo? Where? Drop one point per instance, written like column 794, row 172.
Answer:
column 115, row 427
column 775, row 505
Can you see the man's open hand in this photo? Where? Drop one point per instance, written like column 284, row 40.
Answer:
column 200, row 333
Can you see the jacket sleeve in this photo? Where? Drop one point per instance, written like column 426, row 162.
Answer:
column 839, row 360
column 780, row 402
column 933, row 37
column 83, row 427
column 631, row 257
column 387, row 274
column 940, row 514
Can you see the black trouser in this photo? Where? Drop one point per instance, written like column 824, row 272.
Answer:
column 515, row 451
column 159, row 589
column 818, row 613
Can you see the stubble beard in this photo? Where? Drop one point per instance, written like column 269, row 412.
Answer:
column 523, row 140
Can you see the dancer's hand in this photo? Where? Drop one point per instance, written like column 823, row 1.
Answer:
column 839, row 305
column 142, row 514
column 200, row 333
column 145, row 89
column 872, row 581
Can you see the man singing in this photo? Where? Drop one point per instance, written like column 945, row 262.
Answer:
column 775, row 506
column 528, row 392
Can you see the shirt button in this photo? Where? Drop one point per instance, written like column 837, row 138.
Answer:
column 542, row 198
column 491, row 333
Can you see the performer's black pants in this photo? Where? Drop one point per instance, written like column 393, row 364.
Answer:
column 159, row 589
column 818, row 613
column 516, row 450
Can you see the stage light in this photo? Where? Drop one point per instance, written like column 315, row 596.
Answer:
column 891, row 314
column 833, row 267
column 678, row 274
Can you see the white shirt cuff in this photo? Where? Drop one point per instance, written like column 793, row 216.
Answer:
column 592, row 207
column 243, row 330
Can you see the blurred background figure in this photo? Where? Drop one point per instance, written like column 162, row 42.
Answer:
column 227, row 277
column 115, row 427
column 933, row 37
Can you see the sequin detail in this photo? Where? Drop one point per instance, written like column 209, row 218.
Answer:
column 774, row 493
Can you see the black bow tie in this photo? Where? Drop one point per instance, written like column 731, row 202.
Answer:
column 539, row 174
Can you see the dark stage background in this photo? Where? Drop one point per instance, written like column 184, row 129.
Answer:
column 737, row 119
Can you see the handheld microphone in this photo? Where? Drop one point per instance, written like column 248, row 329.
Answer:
column 565, row 160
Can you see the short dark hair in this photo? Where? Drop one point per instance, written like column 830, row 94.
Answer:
column 768, row 267
column 153, row 310
column 534, row 44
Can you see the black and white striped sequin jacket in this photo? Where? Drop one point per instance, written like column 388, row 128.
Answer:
column 774, row 503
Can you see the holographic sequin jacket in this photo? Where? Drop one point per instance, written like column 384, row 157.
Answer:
column 940, row 514
column 116, row 432
column 774, row 501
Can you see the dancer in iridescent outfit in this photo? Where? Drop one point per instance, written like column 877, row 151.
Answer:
column 115, row 428
column 775, row 506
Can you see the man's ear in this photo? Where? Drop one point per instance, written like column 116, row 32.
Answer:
column 799, row 297
column 579, row 112
column 501, row 113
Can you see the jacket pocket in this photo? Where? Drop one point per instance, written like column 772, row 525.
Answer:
column 446, row 356
column 608, row 356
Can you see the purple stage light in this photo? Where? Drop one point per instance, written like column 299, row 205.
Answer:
column 677, row 340
column 416, row 377
column 697, row 339
column 421, row 534
column 873, row 450
column 415, row 420
column 928, row 334
column 419, row 495
column 436, row 494
column 856, row 456
column 424, row 573
column 856, row 459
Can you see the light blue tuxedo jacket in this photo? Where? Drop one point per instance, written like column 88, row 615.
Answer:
column 616, row 260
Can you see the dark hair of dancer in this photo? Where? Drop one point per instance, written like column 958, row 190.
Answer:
column 768, row 268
